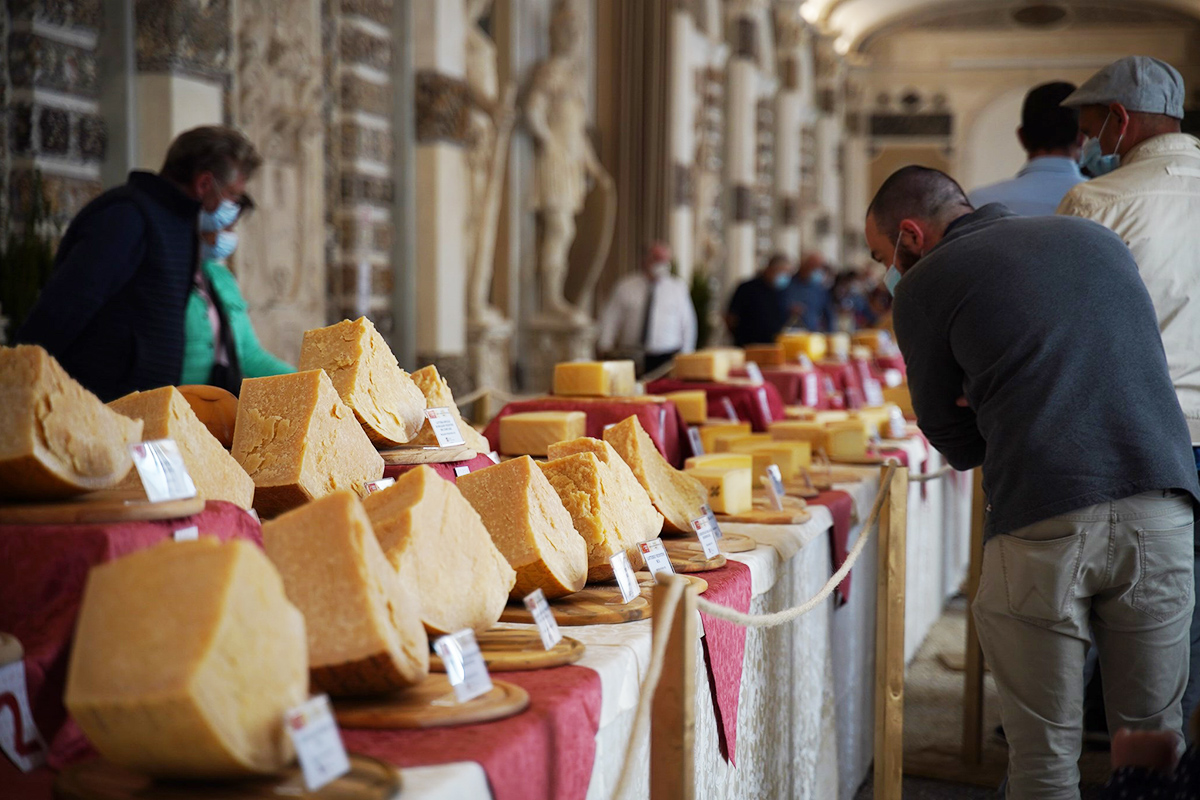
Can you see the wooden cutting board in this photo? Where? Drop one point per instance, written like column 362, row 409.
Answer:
column 684, row 563
column 824, row 477
column 795, row 512
column 593, row 605
column 729, row 543
column 646, row 580
column 430, row 704
column 96, row 507
column 404, row 456
column 368, row 779
column 512, row 650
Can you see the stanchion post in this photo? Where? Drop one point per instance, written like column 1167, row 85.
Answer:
column 673, row 710
column 889, row 640
column 972, row 734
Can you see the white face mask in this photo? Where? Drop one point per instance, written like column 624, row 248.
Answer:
column 660, row 270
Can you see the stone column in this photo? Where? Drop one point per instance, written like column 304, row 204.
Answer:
column 740, row 162
column 685, row 42
column 789, row 122
column 830, row 78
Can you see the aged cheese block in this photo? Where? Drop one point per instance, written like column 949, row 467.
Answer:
column 735, row 355
column 875, row 419
column 56, row 438
column 530, row 433
column 724, row 442
column 692, row 405
column 677, row 497
column 839, row 345
column 529, row 525
column 827, row 417
column 216, row 408
column 594, row 378
column 813, row 345
column 709, row 433
column 364, row 625
column 439, row 545
column 299, row 441
column 766, row 355
column 899, row 395
column 703, row 365
column 730, row 491
column 790, row 457
column 167, row 414
column 438, row 395
column 186, row 657
column 797, row 430
column 846, row 441
column 720, row 461
column 383, row 397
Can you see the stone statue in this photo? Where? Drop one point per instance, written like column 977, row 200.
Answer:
column 556, row 110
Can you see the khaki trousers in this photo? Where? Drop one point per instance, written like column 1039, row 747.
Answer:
column 1121, row 571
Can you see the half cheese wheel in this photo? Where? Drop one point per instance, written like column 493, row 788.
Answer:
column 679, row 498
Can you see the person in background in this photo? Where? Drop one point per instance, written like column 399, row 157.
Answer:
column 1148, row 193
column 1050, row 134
column 650, row 314
column 112, row 312
column 1089, row 527
column 763, row 306
column 850, row 299
column 221, row 347
column 809, row 292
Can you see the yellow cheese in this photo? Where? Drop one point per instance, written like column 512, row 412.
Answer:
column 766, row 355
column 709, row 433
column 729, row 490
column 724, row 442
column 900, row 396
column 828, row 417
column 529, row 525
column 299, row 441
column 813, row 345
column 873, row 339
column 736, row 356
column 439, row 545
column 438, row 395
column 839, row 345
column 875, row 419
column 532, row 432
column 594, row 378
column 692, row 405
column 799, row 412
column 719, row 461
column 703, row 365
column 56, row 438
column 803, row 431
column 790, row 457
column 364, row 626
column 186, row 657
column 677, row 497
column 847, row 441
column 166, row 414
column 383, row 397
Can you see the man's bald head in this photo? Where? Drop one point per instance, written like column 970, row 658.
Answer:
column 918, row 193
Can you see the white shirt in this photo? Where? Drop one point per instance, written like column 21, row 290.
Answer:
column 672, row 325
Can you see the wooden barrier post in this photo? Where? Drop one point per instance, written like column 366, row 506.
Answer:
column 889, row 640
column 972, row 735
column 673, row 709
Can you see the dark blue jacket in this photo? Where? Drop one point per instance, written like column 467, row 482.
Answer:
column 112, row 312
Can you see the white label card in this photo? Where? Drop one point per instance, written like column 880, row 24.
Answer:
column 712, row 520
column 187, row 534
column 730, row 411
column 897, row 427
column 254, row 514
column 626, row 580
column 656, row 558
column 461, row 470
column 707, row 537
column 161, row 468
column 378, row 486
column 872, row 392
column 754, row 372
column 774, row 482
column 444, row 427
column 760, row 394
column 543, row 617
column 695, row 440
column 19, row 737
column 465, row 667
column 812, row 393
column 318, row 743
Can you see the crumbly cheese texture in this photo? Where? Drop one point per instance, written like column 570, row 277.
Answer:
column 531, row 433
column 439, row 545
column 386, row 402
column 56, row 438
column 730, row 490
column 678, row 497
column 186, row 657
column 815, row 433
column 766, row 355
column 692, row 405
column 529, row 525
column 594, row 378
column 703, row 365
column 299, row 441
column 166, row 414
column 438, row 395
column 709, row 433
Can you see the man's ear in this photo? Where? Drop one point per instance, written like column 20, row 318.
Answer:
column 1021, row 138
column 916, row 233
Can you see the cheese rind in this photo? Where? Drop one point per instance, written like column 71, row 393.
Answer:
column 594, row 378
column 166, row 414
column 438, row 395
column 709, row 433
column 186, row 656
column 439, row 545
column 529, row 525
column 532, row 432
column 364, row 626
column 703, row 365
column 692, row 405
column 678, row 497
column 729, row 490
column 56, row 438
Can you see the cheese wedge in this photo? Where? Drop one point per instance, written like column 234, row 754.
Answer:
column 677, row 497
column 719, row 461
column 299, row 441
column 386, row 402
column 439, row 545
column 812, row 432
column 529, row 525
column 813, row 345
column 899, row 396
column 846, row 441
column 166, row 414
column 692, row 405
column 766, row 355
column 724, row 442
column 703, row 365
column 594, row 379
column 56, row 438
column 532, row 432
column 790, row 457
column 216, row 408
column 438, row 395
column 730, row 491
column 364, row 626
column 709, row 433
column 186, row 656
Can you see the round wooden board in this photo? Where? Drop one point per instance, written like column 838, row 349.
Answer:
column 368, row 779
column 696, row 562
column 593, row 605
column 430, row 704
column 646, row 580
column 426, row 455
column 512, row 650
column 98, row 507
column 729, row 543
column 870, row 459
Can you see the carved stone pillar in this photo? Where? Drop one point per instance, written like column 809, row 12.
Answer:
column 685, row 99
column 790, row 117
column 740, row 161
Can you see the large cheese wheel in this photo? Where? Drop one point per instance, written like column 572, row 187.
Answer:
column 56, row 438
column 186, row 657
column 679, row 498
column 166, row 414
column 364, row 625
column 438, row 543
column 438, row 395
column 529, row 525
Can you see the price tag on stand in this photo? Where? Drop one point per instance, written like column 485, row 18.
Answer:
column 872, row 392
column 760, row 394
column 730, row 411
column 19, row 736
column 656, row 558
column 461, row 470
column 774, row 483
column 626, row 580
column 465, row 667
column 707, row 536
column 754, row 372
column 897, row 427
column 695, row 441
column 712, row 520
column 161, row 468
column 187, row 534
column 254, row 514
column 543, row 617
column 444, row 427
column 378, row 486
column 892, row 377
column 811, row 390
column 662, row 418
column 318, row 744
column 494, row 456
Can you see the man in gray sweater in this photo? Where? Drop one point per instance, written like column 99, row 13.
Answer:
column 1033, row 351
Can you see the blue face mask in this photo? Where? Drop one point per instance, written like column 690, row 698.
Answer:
column 1092, row 157
column 782, row 280
column 893, row 275
column 227, row 242
column 221, row 218
column 817, row 278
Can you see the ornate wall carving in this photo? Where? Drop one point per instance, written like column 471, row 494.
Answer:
column 442, row 105
column 708, row 170
column 186, row 37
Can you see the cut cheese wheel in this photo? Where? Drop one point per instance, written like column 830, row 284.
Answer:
column 167, row 414
column 725, row 442
column 364, row 626
column 386, row 402
column 677, row 497
column 439, row 545
column 299, row 441
column 532, row 432
column 438, row 395
column 766, row 355
column 730, row 491
column 692, row 405
column 720, row 461
column 56, row 438
column 799, row 430
column 594, row 379
column 186, row 657
column 529, row 525
column 703, row 365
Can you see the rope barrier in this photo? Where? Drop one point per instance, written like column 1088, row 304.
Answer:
column 931, row 476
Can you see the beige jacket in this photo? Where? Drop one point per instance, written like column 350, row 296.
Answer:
column 1152, row 201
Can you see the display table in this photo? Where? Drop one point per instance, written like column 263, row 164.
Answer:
column 758, row 404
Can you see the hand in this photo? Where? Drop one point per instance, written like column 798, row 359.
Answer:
column 1155, row 750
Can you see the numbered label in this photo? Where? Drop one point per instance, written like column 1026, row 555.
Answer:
column 754, row 372
column 730, row 411
column 187, row 534
column 707, row 536
column 378, row 486
column 465, row 667
column 774, row 481
column 318, row 743
column 444, row 427
column 696, row 442
column 462, row 470
column 712, row 520
column 626, row 580
column 656, row 558
column 161, row 468
column 19, row 737
column 543, row 617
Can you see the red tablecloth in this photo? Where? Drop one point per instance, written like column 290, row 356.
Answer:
column 660, row 419
column 846, row 381
column 759, row 405
column 796, row 386
column 445, row 470
column 841, row 507
column 725, row 648
column 895, row 362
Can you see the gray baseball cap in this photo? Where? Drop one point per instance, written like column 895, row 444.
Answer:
column 1140, row 83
